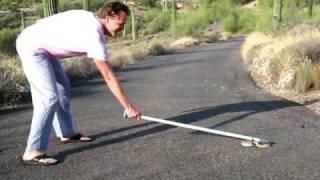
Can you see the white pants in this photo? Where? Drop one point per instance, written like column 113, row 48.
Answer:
column 50, row 90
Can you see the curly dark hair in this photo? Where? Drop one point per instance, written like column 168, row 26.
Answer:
column 112, row 9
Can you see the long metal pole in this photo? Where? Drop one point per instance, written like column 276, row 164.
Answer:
column 223, row 133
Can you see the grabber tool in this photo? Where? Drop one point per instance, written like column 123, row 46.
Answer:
column 248, row 140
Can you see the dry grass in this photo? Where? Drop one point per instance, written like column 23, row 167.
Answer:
column 121, row 57
column 288, row 60
column 79, row 69
column 184, row 42
column 127, row 55
column 13, row 86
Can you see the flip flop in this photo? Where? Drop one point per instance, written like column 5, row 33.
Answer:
column 75, row 139
column 36, row 161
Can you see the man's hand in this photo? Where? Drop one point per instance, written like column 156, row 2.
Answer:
column 132, row 113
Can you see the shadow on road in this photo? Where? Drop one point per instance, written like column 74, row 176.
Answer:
column 199, row 51
column 165, row 64
column 187, row 118
column 250, row 107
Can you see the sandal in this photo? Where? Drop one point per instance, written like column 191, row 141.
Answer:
column 36, row 161
column 75, row 139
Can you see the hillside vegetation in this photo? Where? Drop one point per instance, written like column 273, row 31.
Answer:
column 156, row 25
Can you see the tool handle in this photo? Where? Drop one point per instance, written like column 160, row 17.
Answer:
column 239, row 136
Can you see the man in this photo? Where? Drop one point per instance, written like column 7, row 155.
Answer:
column 40, row 46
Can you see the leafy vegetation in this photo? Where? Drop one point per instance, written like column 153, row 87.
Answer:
column 151, row 18
column 7, row 41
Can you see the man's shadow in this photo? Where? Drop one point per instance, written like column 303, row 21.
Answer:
column 250, row 108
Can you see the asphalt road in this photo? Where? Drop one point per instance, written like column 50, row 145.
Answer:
column 206, row 86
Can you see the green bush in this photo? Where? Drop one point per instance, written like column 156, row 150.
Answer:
column 11, row 20
column 219, row 9
column 193, row 23
column 7, row 41
column 231, row 23
column 151, row 14
column 247, row 21
column 315, row 15
column 216, row 11
column 211, row 11
column 266, row 3
column 161, row 22
column 264, row 21
column 148, row 3
column 224, row 2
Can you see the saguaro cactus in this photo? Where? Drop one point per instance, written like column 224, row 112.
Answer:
column 164, row 5
column 124, row 32
column 23, row 22
column 50, row 7
column 133, row 24
column 310, row 7
column 86, row 5
column 174, row 16
column 277, row 12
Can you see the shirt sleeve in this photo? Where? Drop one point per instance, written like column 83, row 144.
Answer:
column 96, row 47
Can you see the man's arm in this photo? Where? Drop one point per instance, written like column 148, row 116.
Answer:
column 114, row 85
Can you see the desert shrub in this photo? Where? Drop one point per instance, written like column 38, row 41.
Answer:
column 231, row 23
column 306, row 77
column 247, row 21
column 264, row 21
column 288, row 60
column 193, row 23
column 7, row 40
column 14, row 86
column 79, row 69
column 266, row 3
column 159, row 23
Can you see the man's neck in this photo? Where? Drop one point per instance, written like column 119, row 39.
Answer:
column 106, row 32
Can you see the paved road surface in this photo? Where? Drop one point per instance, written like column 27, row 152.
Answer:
column 205, row 86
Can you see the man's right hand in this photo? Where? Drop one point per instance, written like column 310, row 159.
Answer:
column 132, row 113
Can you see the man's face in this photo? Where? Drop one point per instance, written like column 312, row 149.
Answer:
column 116, row 23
